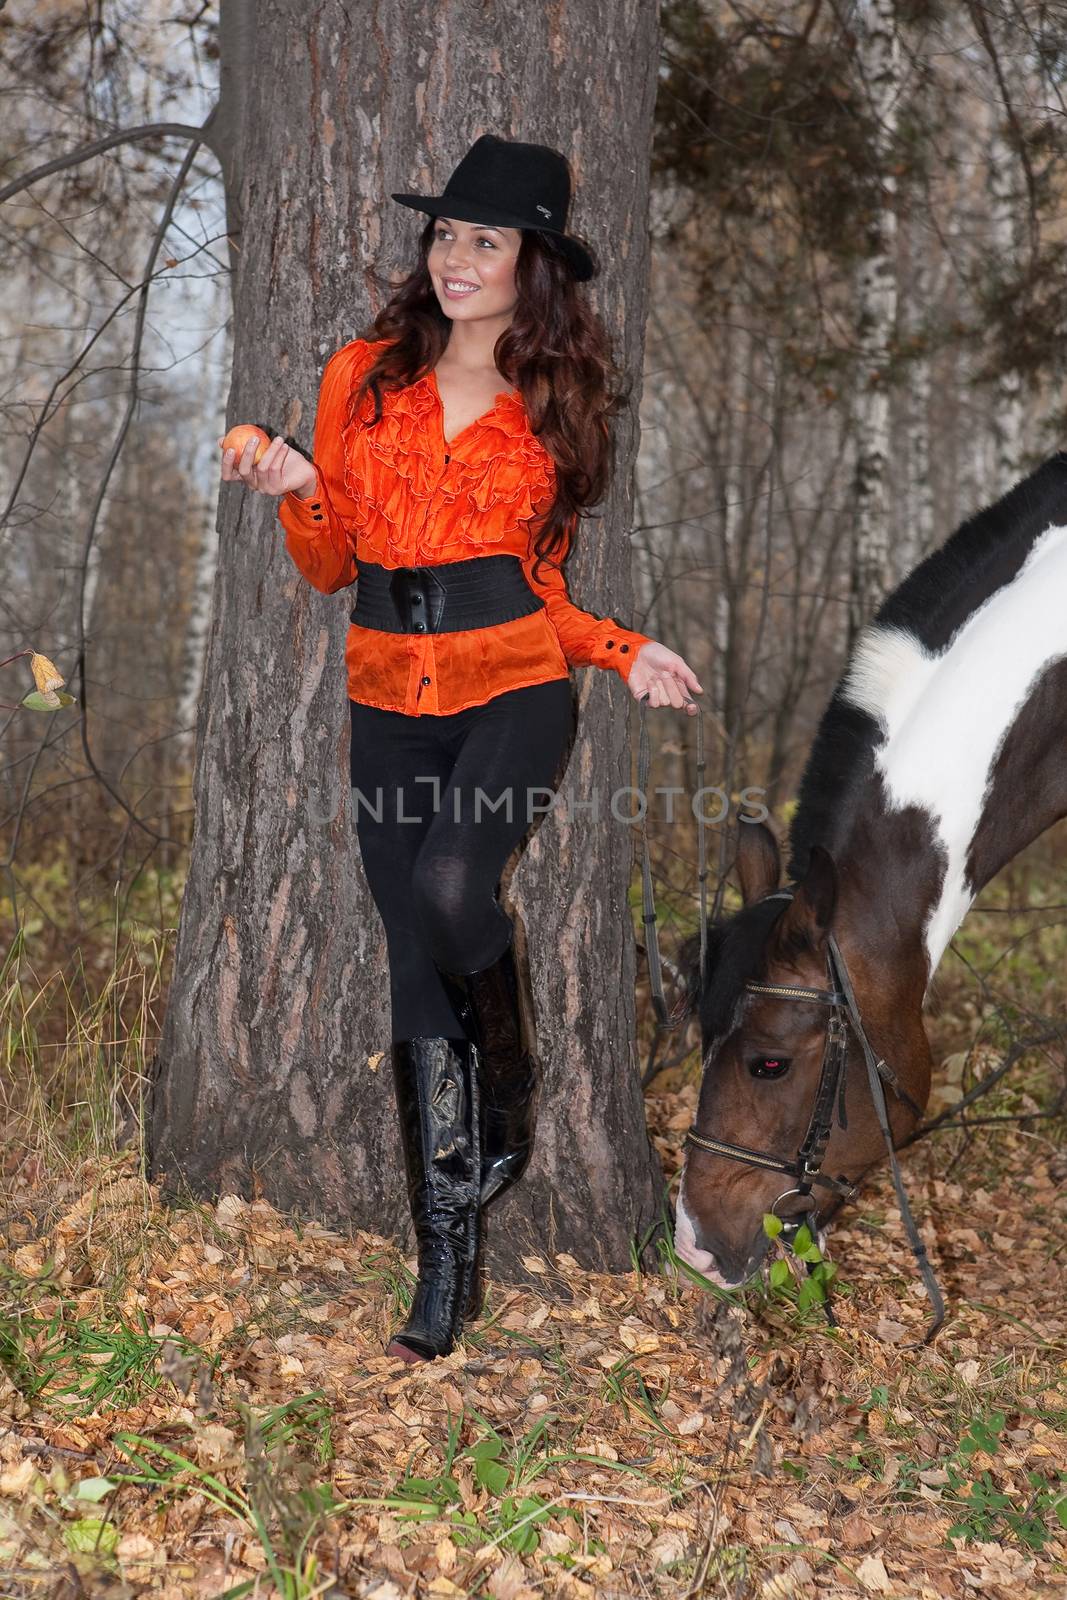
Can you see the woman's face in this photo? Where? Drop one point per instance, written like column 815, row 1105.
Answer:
column 472, row 254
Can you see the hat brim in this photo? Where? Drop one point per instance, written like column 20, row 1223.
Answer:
column 450, row 205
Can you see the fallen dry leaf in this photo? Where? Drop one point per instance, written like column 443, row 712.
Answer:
column 873, row 1576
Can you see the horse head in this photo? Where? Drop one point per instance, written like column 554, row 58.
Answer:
column 767, row 1062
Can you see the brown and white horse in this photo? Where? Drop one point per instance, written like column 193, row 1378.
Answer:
column 942, row 754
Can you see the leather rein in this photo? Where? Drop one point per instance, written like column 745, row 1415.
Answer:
column 829, row 1103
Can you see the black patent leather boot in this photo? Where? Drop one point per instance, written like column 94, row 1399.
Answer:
column 489, row 1005
column 436, row 1085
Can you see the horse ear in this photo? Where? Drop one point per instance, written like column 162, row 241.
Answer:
column 807, row 920
column 759, row 863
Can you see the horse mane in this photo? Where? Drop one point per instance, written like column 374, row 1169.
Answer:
column 737, row 952
column 932, row 603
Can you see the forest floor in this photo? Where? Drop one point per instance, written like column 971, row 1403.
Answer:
column 194, row 1400
column 196, row 1403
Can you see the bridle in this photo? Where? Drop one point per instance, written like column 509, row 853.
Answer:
column 806, row 1167
column 829, row 1104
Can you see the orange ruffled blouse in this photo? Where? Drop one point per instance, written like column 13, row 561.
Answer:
column 398, row 494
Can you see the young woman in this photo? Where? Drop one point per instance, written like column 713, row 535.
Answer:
column 454, row 450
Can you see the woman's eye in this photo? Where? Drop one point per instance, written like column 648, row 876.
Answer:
column 489, row 242
column 769, row 1066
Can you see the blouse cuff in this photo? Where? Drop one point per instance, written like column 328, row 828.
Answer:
column 617, row 648
column 304, row 516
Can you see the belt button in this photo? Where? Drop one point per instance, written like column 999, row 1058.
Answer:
column 420, row 627
column 416, row 599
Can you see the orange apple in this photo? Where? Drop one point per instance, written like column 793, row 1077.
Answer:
column 239, row 436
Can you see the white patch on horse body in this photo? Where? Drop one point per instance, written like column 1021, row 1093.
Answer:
column 946, row 715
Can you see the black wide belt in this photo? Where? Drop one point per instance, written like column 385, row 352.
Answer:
column 445, row 598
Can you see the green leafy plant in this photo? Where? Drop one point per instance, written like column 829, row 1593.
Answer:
column 506, row 1469
column 496, row 1467
column 987, row 1510
column 784, row 1281
column 70, row 1516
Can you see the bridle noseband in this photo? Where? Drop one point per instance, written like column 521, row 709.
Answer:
column 806, row 1168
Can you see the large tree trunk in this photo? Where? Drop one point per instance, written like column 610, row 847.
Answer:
column 272, row 1072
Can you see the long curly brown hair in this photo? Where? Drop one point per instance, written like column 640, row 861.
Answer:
column 555, row 352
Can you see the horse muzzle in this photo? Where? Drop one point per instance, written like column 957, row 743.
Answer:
column 723, row 1264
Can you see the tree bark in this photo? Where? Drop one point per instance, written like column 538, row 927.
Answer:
column 876, row 293
column 1008, row 202
column 920, row 532
column 272, row 1074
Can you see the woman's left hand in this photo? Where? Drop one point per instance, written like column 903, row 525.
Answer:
column 663, row 678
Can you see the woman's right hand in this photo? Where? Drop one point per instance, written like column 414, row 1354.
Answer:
column 279, row 470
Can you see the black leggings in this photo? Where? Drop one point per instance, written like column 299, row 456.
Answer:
column 440, row 802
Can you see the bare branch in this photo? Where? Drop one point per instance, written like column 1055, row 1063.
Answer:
column 73, row 158
column 146, row 279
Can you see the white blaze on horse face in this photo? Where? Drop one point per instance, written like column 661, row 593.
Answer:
column 685, row 1236
column 685, row 1244
column 946, row 715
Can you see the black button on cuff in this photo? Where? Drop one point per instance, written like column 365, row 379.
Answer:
column 317, row 506
column 608, row 643
column 316, row 519
column 623, row 649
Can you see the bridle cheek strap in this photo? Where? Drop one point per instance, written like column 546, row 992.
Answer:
column 876, row 1070
column 805, row 1168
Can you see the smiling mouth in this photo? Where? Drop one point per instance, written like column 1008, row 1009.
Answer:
column 457, row 286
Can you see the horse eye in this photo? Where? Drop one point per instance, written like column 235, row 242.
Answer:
column 769, row 1066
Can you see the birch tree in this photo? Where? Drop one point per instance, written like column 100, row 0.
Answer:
column 1009, row 213
column 879, row 60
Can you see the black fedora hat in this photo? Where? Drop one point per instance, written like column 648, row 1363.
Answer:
column 512, row 185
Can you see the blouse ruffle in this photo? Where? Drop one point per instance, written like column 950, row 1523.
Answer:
column 499, row 476
column 385, row 493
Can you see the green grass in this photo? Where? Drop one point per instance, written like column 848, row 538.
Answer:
column 282, row 1502
column 625, row 1385
column 82, row 1364
column 506, row 1468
